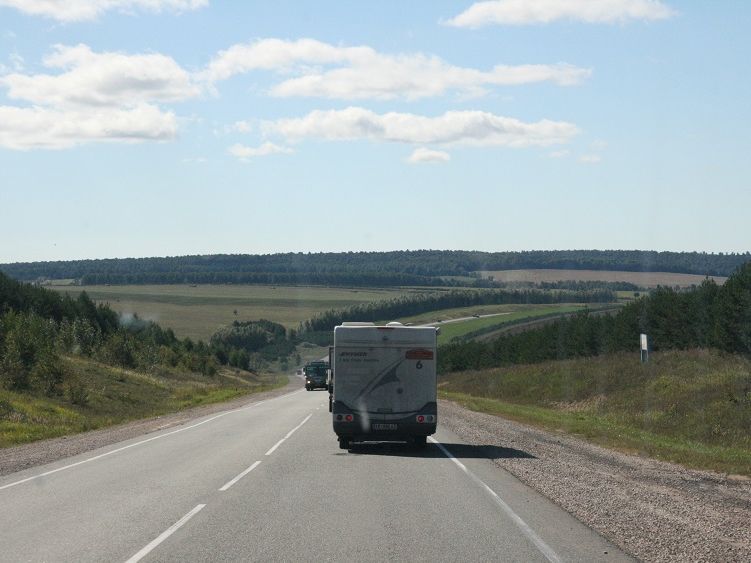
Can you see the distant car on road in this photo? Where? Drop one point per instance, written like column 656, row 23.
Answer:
column 316, row 375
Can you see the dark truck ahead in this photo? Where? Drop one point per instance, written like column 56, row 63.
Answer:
column 316, row 375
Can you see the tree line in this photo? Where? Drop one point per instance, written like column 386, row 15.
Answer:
column 707, row 316
column 337, row 279
column 38, row 327
column 252, row 344
column 410, row 305
column 221, row 268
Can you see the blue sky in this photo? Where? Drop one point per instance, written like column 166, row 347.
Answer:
column 170, row 127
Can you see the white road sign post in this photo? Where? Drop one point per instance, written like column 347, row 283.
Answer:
column 644, row 348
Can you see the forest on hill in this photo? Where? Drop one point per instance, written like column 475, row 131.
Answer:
column 40, row 327
column 707, row 316
column 417, row 267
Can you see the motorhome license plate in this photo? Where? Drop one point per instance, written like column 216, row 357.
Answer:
column 384, row 426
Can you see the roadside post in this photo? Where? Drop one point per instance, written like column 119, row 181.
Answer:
column 644, row 348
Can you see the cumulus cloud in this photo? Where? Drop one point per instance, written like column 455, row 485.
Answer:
column 83, row 10
column 559, row 154
column 454, row 127
column 30, row 128
column 244, row 153
column 94, row 97
column 329, row 71
column 241, row 127
column 523, row 12
column 102, row 79
column 421, row 154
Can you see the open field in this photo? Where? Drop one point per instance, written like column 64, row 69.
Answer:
column 642, row 279
column 108, row 395
column 690, row 407
column 502, row 315
column 197, row 311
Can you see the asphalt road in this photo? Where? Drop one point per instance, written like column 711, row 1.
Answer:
column 268, row 482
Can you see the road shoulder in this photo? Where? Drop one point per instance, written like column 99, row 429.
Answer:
column 653, row 510
column 17, row 458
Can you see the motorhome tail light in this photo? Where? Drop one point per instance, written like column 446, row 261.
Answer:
column 339, row 417
column 422, row 418
column 349, row 418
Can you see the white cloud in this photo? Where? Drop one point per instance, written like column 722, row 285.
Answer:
column 522, row 12
column 454, row 127
column 242, row 152
column 361, row 72
column 590, row 158
column 559, row 154
column 95, row 97
column 102, row 79
column 241, row 127
column 30, row 128
column 598, row 145
column 421, row 154
column 82, row 10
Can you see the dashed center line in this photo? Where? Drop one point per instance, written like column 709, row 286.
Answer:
column 228, row 484
column 280, row 442
column 165, row 534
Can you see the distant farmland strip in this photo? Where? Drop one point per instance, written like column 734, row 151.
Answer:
column 199, row 311
column 642, row 279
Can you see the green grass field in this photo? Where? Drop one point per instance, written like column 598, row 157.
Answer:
column 514, row 314
column 115, row 395
column 198, row 311
column 689, row 407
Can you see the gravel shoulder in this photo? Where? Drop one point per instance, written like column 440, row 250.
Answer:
column 24, row 456
column 655, row 511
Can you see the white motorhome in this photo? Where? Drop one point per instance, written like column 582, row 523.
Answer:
column 384, row 383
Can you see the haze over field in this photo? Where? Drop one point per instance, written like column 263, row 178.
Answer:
column 309, row 126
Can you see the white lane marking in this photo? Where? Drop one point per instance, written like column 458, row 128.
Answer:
column 165, row 534
column 280, row 442
column 544, row 548
column 105, row 454
column 228, row 484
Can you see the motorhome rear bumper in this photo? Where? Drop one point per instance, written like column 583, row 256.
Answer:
column 376, row 426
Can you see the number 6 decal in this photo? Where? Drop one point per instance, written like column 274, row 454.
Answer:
column 418, row 365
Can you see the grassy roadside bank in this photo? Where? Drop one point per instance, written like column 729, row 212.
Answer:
column 472, row 328
column 102, row 395
column 688, row 407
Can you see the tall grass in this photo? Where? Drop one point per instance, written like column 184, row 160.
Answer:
column 693, row 407
column 114, row 395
